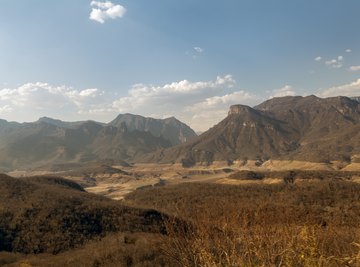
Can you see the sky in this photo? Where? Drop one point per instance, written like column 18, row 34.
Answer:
column 192, row 59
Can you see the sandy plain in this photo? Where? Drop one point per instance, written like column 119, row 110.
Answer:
column 117, row 184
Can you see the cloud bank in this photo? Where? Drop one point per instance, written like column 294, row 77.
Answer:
column 33, row 100
column 179, row 99
column 287, row 90
column 354, row 68
column 200, row 104
column 350, row 89
column 102, row 11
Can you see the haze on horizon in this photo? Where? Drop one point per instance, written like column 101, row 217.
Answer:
column 78, row 60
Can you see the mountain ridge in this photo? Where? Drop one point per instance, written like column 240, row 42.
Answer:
column 51, row 141
column 287, row 128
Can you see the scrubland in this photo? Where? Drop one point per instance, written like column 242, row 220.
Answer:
column 305, row 219
column 309, row 223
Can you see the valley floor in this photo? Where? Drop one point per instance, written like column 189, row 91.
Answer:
column 117, row 185
column 225, row 216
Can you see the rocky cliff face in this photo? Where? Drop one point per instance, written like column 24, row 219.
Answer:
column 171, row 129
column 239, row 109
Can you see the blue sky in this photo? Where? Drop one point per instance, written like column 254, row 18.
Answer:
column 77, row 60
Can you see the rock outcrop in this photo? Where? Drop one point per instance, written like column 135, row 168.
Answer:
column 170, row 128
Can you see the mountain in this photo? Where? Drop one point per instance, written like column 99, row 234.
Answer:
column 292, row 128
column 119, row 143
column 62, row 124
column 31, row 144
column 171, row 129
column 329, row 128
column 48, row 141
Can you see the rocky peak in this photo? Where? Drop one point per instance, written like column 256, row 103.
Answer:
column 239, row 109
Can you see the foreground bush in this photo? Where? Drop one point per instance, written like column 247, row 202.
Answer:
column 312, row 224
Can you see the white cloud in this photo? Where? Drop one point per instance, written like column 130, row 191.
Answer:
column 30, row 101
column 211, row 110
column 200, row 104
column 141, row 94
column 237, row 97
column 354, row 68
column 335, row 63
column 33, row 100
column 318, row 58
column 205, row 119
column 6, row 109
column 195, row 52
column 198, row 49
column 287, row 90
column 102, row 11
column 189, row 101
column 351, row 89
column 348, row 50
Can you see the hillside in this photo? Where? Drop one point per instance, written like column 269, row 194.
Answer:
column 291, row 128
column 329, row 128
column 121, row 144
column 47, row 214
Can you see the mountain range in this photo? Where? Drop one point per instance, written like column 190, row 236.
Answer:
column 48, row 141
column 286, row 128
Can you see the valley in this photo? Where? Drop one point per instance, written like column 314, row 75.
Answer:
column 272, row 185
column 187, row 217
column 179, row 133
column 117, row 181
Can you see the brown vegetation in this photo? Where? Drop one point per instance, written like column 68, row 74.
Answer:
column 310, row 224
column 115, row 250
column 314, row 222
column 45, row 214
column 292, row 175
